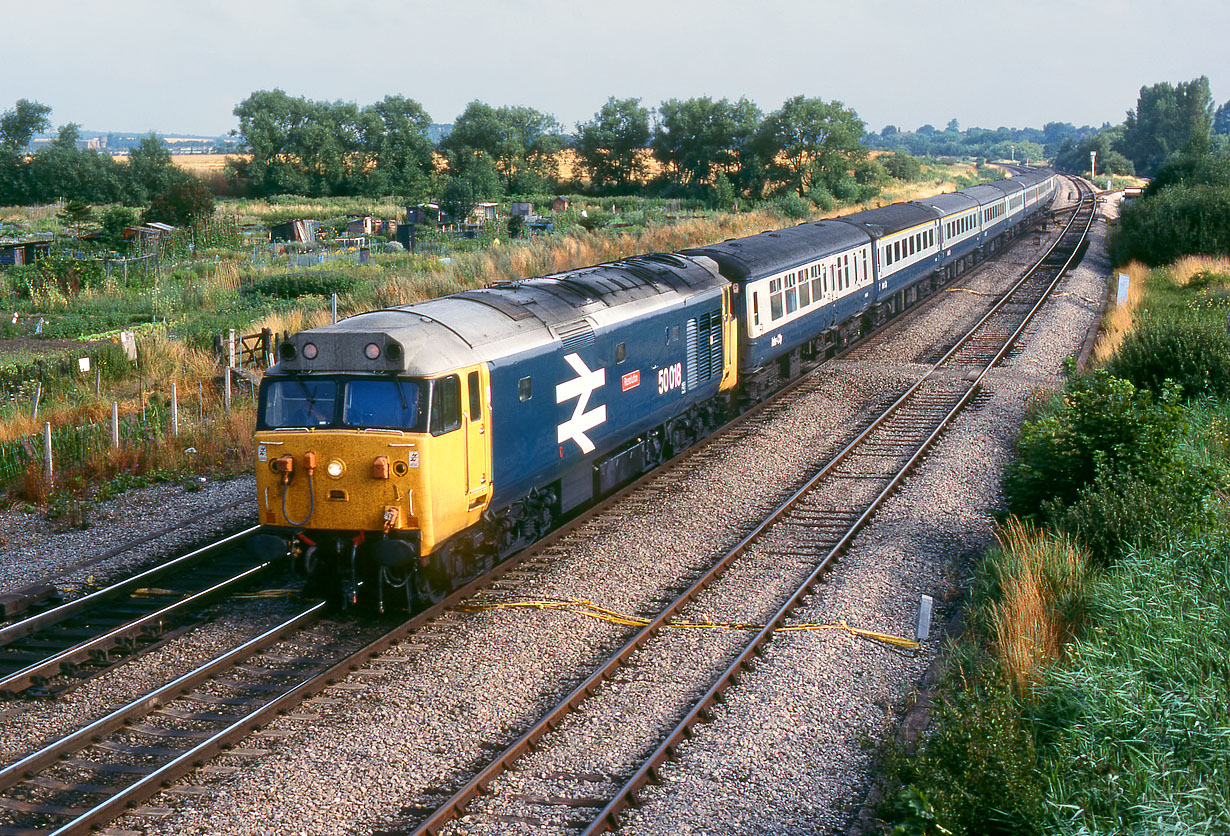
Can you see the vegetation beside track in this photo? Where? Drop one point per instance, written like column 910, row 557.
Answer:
column 1090, row 691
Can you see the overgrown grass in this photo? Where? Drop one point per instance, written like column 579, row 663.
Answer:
column 1090, row 694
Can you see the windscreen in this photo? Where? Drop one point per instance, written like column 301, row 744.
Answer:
column 299, row 403
column 377, row 403
column 394, row 403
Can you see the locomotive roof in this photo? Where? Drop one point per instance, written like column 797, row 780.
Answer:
column 777, row 250
column 892, row 218
column 440, row 335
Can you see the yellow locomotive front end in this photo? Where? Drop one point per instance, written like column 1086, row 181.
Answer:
column 371, row 478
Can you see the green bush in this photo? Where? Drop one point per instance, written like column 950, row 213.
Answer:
column 1100, row 424
column 1178, row 221
column 311, row 283
column 1194, row 354
column 903, row 167
column 976, row 772
column 792, row 206
column 1118, row 512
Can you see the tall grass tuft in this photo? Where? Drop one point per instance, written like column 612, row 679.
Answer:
column 1120, row 319
column 1038, row 580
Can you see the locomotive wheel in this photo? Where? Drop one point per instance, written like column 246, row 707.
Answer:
column 435, row 579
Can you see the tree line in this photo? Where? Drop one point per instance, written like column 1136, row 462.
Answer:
column 704, row 147
column 61, row 170
column 1169, row 122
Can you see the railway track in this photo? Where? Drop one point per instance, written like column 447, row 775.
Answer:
column 51, row 651
column 74, row 784
column 812, row 527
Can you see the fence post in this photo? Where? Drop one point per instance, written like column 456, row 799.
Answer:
column 98, row 381
column 267, row 345
column 230, row 349
column 335, row 309
column 47, row 451
column 38, row 396
column 226, row 390
column 175, row 410
column 115, row 424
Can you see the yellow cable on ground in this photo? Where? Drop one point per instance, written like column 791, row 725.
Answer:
column 590, row 610
column 968, row 290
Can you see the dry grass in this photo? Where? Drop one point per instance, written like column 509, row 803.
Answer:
column 1120, row 319
column 1041, row 580
column 1182, row 271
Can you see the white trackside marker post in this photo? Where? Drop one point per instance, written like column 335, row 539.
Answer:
column 923, row 628
column 1121, row 296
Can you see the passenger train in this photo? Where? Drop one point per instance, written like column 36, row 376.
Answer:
column 403, row 451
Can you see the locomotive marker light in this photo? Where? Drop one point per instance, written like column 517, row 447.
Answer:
column 309, row 351
column 372, row 351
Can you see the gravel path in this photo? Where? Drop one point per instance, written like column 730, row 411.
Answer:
column 34, row 549
column 785, row 754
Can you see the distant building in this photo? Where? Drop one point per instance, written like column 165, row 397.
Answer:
column 303, row 230
column 28, row 251
column 525, row 210
column 560, row 204
column 483, row 212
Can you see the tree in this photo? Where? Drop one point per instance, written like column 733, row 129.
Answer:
column 180, row 204
column 480, row 181
column 76, row 214
column 810, row 142
column 1166, row 120
column 520, row 141
column 697, row 138
column 20, row 125
column 150, row 170
column 611, row 145
column 1221, row 119
column 396, row 132
column 332, row 148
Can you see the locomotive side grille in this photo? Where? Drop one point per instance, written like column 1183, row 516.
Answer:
column 704, row 347
column 576, row 335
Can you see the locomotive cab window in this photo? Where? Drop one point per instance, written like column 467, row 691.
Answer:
column 525, row 389
column 383, row 403
column 476, row 401
column 296, row 402
column 445, row 405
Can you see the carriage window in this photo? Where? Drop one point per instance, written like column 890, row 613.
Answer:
column 445, row 405
column 756, row 308
column 792, row 296
column 817, row 288
column 776, row 308
column 804, row 294
column 525, row 389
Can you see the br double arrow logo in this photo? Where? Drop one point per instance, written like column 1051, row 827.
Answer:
column 580, row 387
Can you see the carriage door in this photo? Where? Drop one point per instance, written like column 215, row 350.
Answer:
column 478, row 438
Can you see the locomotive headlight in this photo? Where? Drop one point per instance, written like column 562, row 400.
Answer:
column 372, row 351
column 336, row 468
column 309, row 351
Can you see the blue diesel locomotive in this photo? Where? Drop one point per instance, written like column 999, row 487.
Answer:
column 403, row 451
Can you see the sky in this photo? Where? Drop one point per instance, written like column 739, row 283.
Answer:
column 180, row 67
